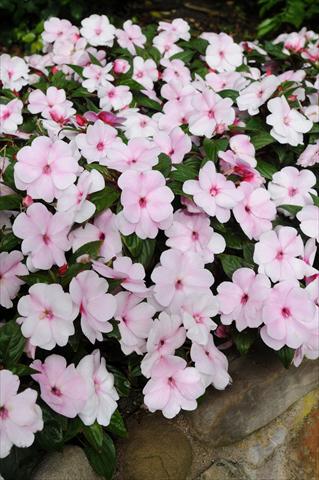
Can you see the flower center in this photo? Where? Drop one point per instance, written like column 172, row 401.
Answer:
column 178, row 284
column 102, row 236
column 46, row 170
column 247, row 209
column 286, row 313
column 47, row 313
column 244, row 299
column 280, row 255
column 4, row 414
column 56, row 391
column 210, row 113
column 195, row 236
column 142, row 202
column 46, row 239
column 100, row 146
column 214, row 190
column 140, row 74
column 292, row 191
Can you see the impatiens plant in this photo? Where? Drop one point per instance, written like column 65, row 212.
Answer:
column 158, row 210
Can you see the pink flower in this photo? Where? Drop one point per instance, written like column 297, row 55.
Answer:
column 291, row 186
column 114, row 97
column 138, row 154
column 44, row 236
column 135, row 319
column 294, row 42
column 130, row 36
column 173, row 387
column 104, row 229
column 225, row 81
column 193, row 233
column 211, row 363
column 102, row 396
column 95, row 76
column 11, row 267
column 120, row 66
column 178, row 276
column 310, row 156
column 213, row 193
column 256, row 94
column 222, row 54
column 178, row 27
column 309, row 221
column 146, row 203
column 176, row 144
column 211, row 114
column 94, row 144
column 165, row 336
column 243, row 148
column 10, row 116
column 255, row 212
column 289, row 316
column 96, row 307
column 13, row 72
column 98, row 31
column 47, row 316
column 48, row 103
column 62, row 387
column 175, row 70
column 196, row 313
column 20, row 416
column 144, row 72
column 74, row 199
column 242, row 299
column 276, row 254
column 131, row 274
column 165, row 43
column 288, row 124
column 57, row 29
column 45, row 168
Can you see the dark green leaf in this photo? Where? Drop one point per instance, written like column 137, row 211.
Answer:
column 103, row 460
column 117, row 426
column 104, row 198
column 10, row 202
column 22, row 370
column 8, row 176
column 164, row 165
column 94, row 60
column 77, row 69
column 8, row 242
column 144, row 101
column 233, row 94
column 262, row 139
column 266, row 169
column 37, row 277
column 121, row 383
column 51, row 437
column 132, row 84
column 185, row 56
column 231, row 263
column 315, row 199
column 187, row 170
column 12, row 343
column 292, row 209
column 286, row 355
column 212, row 147
column 94, row 435
column 90, row 248
column 244, row 340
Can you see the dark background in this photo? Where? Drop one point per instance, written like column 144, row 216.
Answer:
column 21, row 20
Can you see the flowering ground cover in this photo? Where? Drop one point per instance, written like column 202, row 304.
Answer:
column 158, row 208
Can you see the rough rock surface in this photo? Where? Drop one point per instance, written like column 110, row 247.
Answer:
column 261, row 391
column 71, row 464
column 155, row 450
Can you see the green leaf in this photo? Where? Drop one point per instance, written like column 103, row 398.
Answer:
column 266, row 169
column 286, row 355
column 74, row 427
column 228, row 93
column 102, row 460
column 248, row 251
column 117, row 426
column 8, row 176
column 142, row 251
column 233, row 239
column 185, row 56
column 261, row 140
column 164, row 165
column 12, row 343
column 8, row 242
column 77, row 69
column 132, row 84
column 144, row 101
column 22, row 370
column 94, row 60
column 244, row 340
column 90, row 248
column 96, row 166
column 51, row 437
column 212, row 147
column 315, row 199
column 187, row 170
column 231, row 263
column 292, row 209
column 121, row 383
column 94, row 435
column 10, row 202
column 104, row 198
column 37, row 277
column 72, row 271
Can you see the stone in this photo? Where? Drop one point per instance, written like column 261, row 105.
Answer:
column 223, row 469
column 155, row 450
column 70, row 464
column 262, row 389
